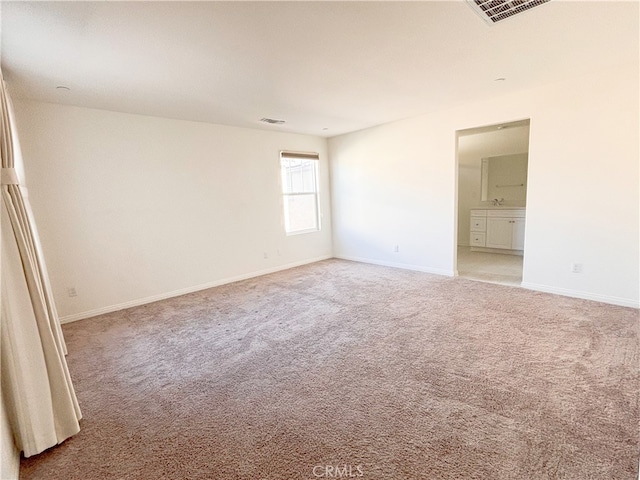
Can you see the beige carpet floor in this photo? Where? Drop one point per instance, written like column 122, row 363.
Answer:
column 341, row 368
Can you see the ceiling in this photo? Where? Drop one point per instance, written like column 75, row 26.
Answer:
column 326, row 68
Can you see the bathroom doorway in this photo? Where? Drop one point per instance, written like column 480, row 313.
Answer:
column 492, row 170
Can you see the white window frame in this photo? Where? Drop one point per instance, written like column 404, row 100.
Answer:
column 305, row 156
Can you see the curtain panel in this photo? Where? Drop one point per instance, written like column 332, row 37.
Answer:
column 36, row 386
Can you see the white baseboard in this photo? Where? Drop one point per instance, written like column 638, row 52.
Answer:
column 405, row 266
column 183, row 291
column 624, row 302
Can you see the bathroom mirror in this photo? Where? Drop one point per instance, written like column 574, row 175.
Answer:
column 505, row 177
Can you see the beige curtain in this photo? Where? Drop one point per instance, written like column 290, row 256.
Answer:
column 36, row 385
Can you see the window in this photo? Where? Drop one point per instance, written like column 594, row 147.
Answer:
column 300, row 192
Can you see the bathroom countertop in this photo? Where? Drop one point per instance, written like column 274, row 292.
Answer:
column 498, row 208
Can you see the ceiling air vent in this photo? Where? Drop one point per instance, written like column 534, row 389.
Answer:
column 492, row 11
column 272, row 121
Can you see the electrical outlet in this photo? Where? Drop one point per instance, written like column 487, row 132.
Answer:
column 396, row 249
column 266, row 255
column 576, row 268
column 71, row 291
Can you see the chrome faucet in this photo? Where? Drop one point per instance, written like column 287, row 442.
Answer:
column 496, row 202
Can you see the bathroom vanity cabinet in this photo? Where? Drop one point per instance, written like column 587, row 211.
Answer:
column 498, row 230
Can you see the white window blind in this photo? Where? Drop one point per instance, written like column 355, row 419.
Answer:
column 299, row 173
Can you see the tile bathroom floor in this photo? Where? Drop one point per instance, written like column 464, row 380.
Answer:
column 490, row 267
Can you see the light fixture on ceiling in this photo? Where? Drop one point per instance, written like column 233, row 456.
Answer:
column 493, row 11
column 272, row 121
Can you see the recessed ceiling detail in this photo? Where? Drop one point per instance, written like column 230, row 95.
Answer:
column 492, row 11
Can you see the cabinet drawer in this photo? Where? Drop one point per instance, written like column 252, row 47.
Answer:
column 477, row 239
column 478, row 224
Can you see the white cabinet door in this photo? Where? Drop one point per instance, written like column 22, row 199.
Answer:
column 499, row 232
column 517, row 237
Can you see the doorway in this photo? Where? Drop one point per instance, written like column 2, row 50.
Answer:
column 492, row 166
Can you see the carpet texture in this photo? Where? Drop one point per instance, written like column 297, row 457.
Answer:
column 347, row 370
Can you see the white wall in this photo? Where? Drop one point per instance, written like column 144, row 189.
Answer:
column 396, row 184
column 390, row 188
column 471, row 149
column 132, row 208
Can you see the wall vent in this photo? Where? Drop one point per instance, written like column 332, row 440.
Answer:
column 272, row 121
column 493, row 11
